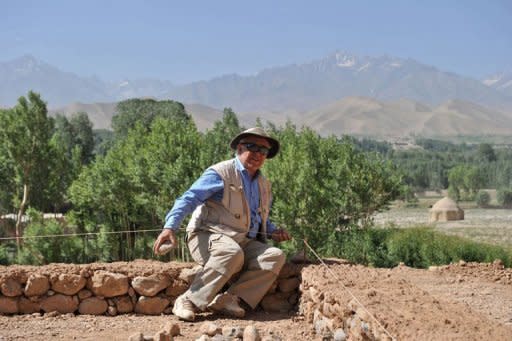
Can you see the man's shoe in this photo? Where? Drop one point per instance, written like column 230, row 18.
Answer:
column 184, row 308
column 227, row 304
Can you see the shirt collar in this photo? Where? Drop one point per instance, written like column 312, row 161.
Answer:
column 241, row 168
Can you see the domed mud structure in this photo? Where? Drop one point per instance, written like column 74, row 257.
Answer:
column 445, row 210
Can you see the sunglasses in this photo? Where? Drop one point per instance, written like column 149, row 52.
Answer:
column 253, row 147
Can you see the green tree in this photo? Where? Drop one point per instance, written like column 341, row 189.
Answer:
column 216, row 146
column 7, row 185
column 143, row 111
column 482, row 198
column 133, row 186
column 465, row 181
column 504, row 197
column 322, row 186
column 40, row 251
column 26, row 132
column 486, row 153
column 83, row 136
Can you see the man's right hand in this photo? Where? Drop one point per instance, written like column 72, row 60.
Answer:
column 165, row 235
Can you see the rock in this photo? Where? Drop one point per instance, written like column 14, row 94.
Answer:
column 84, row 293
column 93, row 306
column 54, row 313
column 151, row 305
column 9, row 305
column 68, row 284
column 60, row 303
column 112, row 311
column 123, row 304
column 275, row 303
column 288, row 284
column 251, row 333
column 339, row 335
column 203, row 338
column 162, row 335
column 498, row 263
column 210, row 329
column 151, row 285
column 27, row 306
column 323, row 328
column 232, row 332
column 172, row 328
column 108, row 284
column 37, row 285
column 176, row 288
column 11, row 287
column 290, row 270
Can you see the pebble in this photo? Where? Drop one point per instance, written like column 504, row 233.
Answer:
column 210, row 329
column 251, row 333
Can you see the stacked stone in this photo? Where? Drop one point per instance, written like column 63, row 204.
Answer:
column 333, row 319
column 283, row 296
column 97, row 292
column 102, row 292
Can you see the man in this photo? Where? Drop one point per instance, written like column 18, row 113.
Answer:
column 228, row 229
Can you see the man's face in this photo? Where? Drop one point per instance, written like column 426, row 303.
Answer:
column 251, row 160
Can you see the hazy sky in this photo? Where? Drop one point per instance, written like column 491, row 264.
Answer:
column 188, row 40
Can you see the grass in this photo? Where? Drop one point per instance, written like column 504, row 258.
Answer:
column 493, row 226
column 418, row 247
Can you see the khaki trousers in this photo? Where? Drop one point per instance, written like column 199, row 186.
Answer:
column 221, row 257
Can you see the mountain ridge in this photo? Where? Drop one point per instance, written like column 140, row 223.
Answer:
column 360, row 116
column 356, row 94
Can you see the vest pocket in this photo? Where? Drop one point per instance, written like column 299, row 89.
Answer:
column 236, row 204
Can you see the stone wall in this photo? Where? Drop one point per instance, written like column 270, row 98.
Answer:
column 116, row 288
column 333, row 314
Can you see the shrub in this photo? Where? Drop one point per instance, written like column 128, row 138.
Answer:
column 416, row 247
column 40, row 250
column 422, row 247
column 483, row 198
column 363, row 246
column 504, row 197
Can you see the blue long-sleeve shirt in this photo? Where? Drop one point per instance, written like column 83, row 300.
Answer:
column 211, row 186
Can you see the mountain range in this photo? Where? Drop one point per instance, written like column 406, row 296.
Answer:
column 341, row 93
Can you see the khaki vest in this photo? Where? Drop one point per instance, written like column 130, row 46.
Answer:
column 232, row 215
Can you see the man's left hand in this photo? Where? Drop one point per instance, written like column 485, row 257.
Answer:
column 280, row 235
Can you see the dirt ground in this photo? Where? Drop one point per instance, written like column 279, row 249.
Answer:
column 464, row 301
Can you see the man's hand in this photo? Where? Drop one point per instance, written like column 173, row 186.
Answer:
column 280, row 235
column 165, row 235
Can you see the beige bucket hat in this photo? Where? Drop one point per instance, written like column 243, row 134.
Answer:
column 259, row 132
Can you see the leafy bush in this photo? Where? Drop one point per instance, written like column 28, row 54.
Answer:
column 482, row 198
column 422, row 247
column 4, row 256
column 416, row 247
column 37, row 250
column 504, row 197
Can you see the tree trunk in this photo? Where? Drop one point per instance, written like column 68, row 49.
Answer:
column 21, row 212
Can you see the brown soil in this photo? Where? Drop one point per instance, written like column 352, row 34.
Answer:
column 456, row 302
